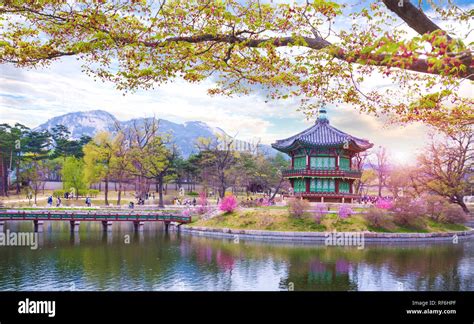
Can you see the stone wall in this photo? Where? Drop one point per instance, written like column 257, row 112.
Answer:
column 320, row 236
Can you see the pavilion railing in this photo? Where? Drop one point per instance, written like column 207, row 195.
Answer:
column 326, row 194
column 322, row 172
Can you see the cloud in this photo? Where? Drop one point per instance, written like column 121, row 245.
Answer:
column 35, row 95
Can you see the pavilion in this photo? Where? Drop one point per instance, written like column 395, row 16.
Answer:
column 323, row 162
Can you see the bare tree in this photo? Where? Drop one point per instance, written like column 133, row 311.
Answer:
column 360, row 160
column 218, row 156
column 381, row 167
column 138, row 135
column 445, row 164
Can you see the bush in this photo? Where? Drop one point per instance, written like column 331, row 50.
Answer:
column 265, row 221
column 249, row 203
column 320, row 211
column 434, row 206
column 345, row 211
column 377, row 217
column 408, row 212
column 202, row 203
column 264, row 203
column 453, row 214
column 59, row 193
column 229, row 204
column 384, row 203
column 80, row 192
column 297, row 207
column 187, row 212
column 92, row 192
column 193, row 194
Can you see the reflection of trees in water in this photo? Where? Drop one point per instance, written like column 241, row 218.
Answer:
column 429, row 267
column 313, row 274
column 93, row 262
column 156, row 259
column 425, row 267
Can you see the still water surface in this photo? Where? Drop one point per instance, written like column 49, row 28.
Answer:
column 153, row 260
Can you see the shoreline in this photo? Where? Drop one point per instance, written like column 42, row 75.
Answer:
column 264, row 235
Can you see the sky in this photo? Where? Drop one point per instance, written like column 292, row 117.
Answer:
column 32, row 96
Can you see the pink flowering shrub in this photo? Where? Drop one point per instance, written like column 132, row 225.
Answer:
column 453, row 214
column 203, row 204
column 378, row 217
column 384, row 203
column 434, row 206
column 345, row 211
column 408, row 212
column 228, row 204
column 320, row 211
column 265, row 202
column 297, row 207
column 186, row 212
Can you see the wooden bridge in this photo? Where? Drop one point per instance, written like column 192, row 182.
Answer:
column 138, row 218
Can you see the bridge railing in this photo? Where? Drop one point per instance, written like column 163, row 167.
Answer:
column 94, row 216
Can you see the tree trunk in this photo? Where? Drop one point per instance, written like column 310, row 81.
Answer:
column 160, row 192
column 18, row 177
column 461, row 203
column 277, row 189
column 119, row 194
column 3, row 178
column 106, row 190
column 222, row 186
column 464, row 207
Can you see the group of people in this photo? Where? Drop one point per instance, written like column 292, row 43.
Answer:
column 366, row 199
column 69, row 195
column 50, row 201
column 186, row 202
column 59, row 201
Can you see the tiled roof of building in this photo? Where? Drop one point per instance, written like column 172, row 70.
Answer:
column 321, row 134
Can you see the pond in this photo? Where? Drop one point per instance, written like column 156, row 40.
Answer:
column 155, row 260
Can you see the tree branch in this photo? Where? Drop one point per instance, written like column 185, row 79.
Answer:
column 414, row 17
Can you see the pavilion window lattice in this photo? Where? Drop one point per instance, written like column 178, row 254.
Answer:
column 323, row 163
column 344, row 187
column 344, row 163
column 322, row 185
column 299, row 185
column 299, row 162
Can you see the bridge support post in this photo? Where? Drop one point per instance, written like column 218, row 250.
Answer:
column 138, row 226
column 107, row 226
column 2, row 226
column 167, row 226
column 75, row 226
column 38, row 226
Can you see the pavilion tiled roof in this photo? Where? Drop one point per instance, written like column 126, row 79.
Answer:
column 321, row 134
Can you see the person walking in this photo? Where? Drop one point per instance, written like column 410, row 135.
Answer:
column 50, row 201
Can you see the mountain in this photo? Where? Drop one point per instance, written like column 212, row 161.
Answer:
column 184, row 135
column 83, row 122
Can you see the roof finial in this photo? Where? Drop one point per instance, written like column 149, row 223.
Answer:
column 322, row 117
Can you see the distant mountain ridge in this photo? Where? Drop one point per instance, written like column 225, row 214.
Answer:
column 94, row 121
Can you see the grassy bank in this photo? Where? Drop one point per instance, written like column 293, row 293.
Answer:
column 280, row 220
